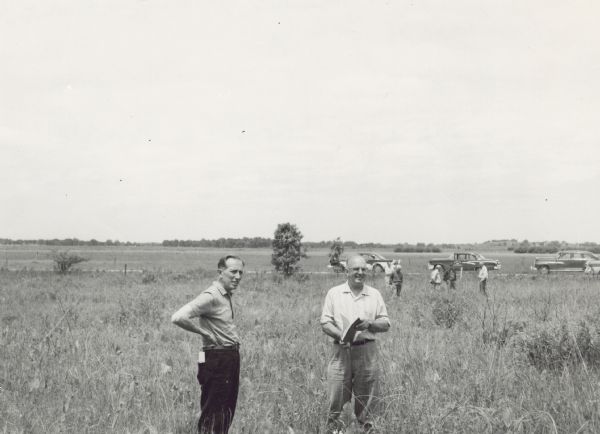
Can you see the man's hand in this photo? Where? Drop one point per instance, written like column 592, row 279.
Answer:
column 363, row 325
column 344, row 344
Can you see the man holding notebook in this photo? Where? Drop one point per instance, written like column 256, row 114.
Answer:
column 353, row 313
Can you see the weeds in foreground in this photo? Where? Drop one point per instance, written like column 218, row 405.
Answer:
column 96, row 353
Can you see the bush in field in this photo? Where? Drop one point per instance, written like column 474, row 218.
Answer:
column 503, row 334
column 63, row 261
column 335, row 251
column 287, row 249
column 447, row 311
column 553, row 347
column 148, row 278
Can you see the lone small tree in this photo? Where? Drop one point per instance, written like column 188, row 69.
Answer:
column 336, row 250
column 287, row 249
column 63, row 261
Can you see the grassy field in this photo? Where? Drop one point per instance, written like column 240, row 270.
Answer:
column 95, row 352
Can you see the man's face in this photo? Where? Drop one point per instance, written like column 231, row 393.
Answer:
column 357, row 271
column 231, row 275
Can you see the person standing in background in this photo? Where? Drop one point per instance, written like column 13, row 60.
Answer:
column 436, row 277
column 450, row 276
column 396, row 277
column 483, row 277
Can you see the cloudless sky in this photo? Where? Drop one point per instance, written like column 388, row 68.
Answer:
column 384, row 121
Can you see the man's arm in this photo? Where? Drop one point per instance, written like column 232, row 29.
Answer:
column 378, row 325
column 194, row 309
column 381, row 323
column 327, row 322
column 330, row 329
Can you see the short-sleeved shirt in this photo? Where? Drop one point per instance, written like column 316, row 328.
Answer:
column 214, row 310
column 435, row 276
column 341, row 308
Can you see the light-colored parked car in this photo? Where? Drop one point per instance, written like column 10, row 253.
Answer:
column 565, row 260
column 375, row 262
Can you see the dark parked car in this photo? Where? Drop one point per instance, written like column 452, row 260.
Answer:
column 465, row 260
column 566, row 260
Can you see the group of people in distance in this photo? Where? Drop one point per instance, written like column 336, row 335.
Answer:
column 448, row 275
column 353, row 315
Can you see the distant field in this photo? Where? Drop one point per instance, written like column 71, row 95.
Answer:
column 184, row 259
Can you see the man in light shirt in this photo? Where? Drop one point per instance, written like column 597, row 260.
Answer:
column 211, row 316
column 353, row 368
column 436, row 277
column 483, row 276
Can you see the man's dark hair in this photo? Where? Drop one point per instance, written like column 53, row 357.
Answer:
column 222, row 264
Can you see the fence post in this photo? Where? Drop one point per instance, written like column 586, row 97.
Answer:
column 125, row 270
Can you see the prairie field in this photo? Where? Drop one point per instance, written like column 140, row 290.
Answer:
column 95, row 352
column 158, row 258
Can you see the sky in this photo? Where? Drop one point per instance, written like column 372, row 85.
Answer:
column 373, row 121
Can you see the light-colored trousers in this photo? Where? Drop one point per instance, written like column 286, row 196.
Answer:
column 353, row 371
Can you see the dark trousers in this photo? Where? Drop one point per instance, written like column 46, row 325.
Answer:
column 219, row 377
column 398, row 286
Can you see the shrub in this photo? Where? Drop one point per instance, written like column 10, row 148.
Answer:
column 148, row 278
column 63, row 261
column 502, row 335
column 446, row 312
column 553, row 347
column 335, row 251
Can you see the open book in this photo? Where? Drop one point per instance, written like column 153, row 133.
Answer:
column 349, row 331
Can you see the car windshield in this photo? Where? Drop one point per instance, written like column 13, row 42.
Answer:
column 372, row 256
column 478, row 256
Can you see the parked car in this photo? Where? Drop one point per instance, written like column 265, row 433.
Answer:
column 465, row 260
column 565, row 260
column 375, row 262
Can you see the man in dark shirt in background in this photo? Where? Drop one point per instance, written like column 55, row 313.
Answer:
column 450, row 276
column 396, row 277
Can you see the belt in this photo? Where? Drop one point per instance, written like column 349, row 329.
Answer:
column 357, row 343
column 233, row 347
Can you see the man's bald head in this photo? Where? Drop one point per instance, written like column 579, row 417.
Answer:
column 357, row 270
column 356, row 261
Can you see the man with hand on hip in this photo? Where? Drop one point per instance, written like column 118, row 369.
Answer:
column 219, row 360
column 353, row 368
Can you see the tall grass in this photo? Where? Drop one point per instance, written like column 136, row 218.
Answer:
column 96, row 353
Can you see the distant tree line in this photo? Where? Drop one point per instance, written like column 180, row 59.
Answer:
column 418, row 248
column 70, row 242
column 552, row 247
column 229, row 243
